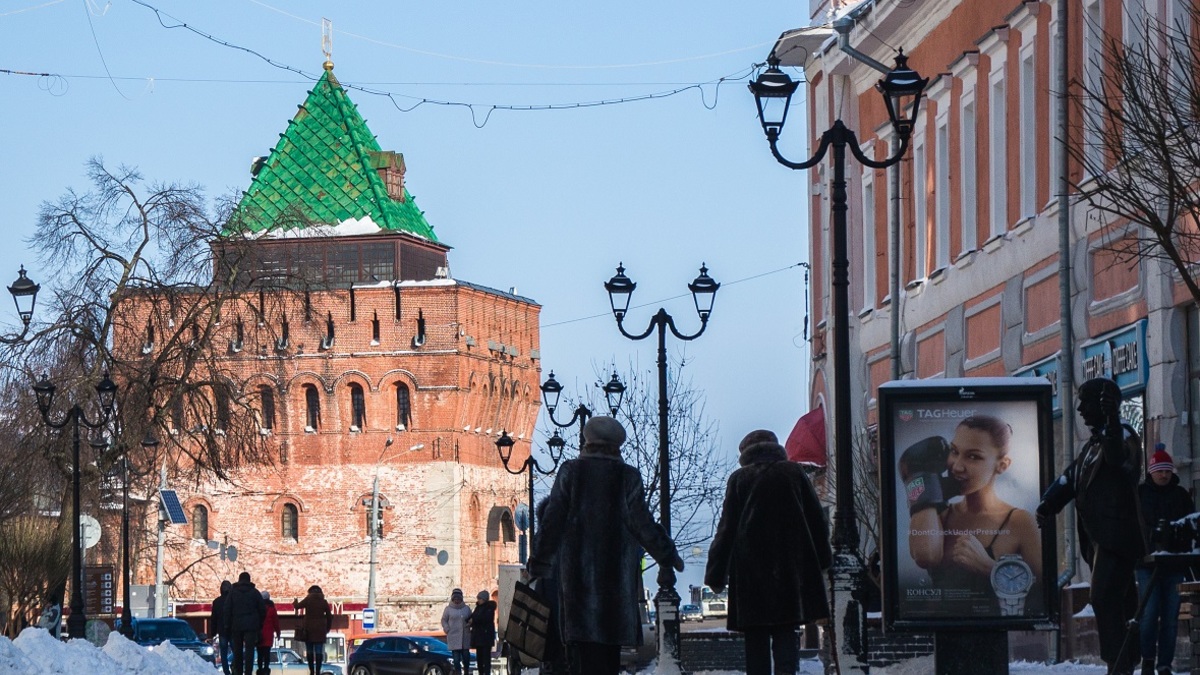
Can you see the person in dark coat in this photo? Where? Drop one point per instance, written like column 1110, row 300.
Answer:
column 771, row 549
column 554, row 660
column 317, row 621
column 1163, row 501
column 1103, row 483
column 219, row 624
column 270, row 633
column 597, row 523
column 245, row 611
column 483, row 631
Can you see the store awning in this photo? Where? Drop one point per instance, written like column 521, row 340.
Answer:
column 806, row 443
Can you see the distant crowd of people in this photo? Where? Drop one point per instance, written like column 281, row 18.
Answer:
column 247, row 625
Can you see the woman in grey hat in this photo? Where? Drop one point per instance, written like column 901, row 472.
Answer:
column 597, row 523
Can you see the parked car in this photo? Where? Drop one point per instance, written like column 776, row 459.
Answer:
column 399, row 655
column 691, row 613
column 433, row 644
column 151, row 633
column 289, row 661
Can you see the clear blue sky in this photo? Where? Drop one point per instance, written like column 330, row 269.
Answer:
column 546, row 201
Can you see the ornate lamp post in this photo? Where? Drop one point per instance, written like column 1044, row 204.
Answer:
column 614, row 391
column 901, row 89
column 148, row 443
column 106, row 392
column 504, row 446
column 704, row 291
column 24, row 293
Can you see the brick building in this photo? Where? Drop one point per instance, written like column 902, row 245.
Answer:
column 380, row 366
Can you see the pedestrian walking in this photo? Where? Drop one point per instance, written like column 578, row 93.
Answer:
column 219, row 624
column 246, row 611
column 270, row 633
column 458, row 636
column 771, row 549
column 1163, row 500
column 482, row 623
column 1103, row 483
column 597, row 524
column 315, row 626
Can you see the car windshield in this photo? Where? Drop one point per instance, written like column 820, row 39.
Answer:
column 430, row 644
column 165, row 630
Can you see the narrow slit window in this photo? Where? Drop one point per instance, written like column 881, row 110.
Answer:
column 403, row 407
column 290, row 522
column 312, row 408
column 358, row 407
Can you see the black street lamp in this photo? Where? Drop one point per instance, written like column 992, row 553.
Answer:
column 901, row 89
column 106, row 392
column 504, row 446
column 704, row 291
column 24, row 293
column 614, row 391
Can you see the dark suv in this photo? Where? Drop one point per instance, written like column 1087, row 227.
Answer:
column 151, row 633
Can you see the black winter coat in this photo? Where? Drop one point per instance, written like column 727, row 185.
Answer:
column 483, row 625
column 219, row 623
column 1103, row 482
column 597, row 523
column 771, row 547
column 1169, row 502
column 245, row 608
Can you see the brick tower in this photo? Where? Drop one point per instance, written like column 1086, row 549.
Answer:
column 384, row 367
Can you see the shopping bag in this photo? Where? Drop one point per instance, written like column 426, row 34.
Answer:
column 528, row 622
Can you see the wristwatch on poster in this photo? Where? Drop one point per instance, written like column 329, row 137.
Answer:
column 1011, row 580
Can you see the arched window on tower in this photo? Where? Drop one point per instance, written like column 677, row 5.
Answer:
column 266, row 397
column 358, row 408
column 312, row 408
column 403, row 407
column 290, row 522
column 200, row 522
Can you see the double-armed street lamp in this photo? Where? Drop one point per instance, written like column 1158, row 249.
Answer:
column 704, row 291
column 901, row 89
column 614, row 391
column 24, row 293
column 504, row 446
column 106, row 392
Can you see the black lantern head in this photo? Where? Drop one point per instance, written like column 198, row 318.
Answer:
column 773, row 95
column 901, row 89
column 24, row 293
column 556, row 444
column 107, row 391
column 504, row 445
column 620, row 290
column 614, row 391
column 44, row 390
column 551, row 390
column 704, row 293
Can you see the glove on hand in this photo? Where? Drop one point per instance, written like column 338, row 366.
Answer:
column 922, row 466
column 1043, row 516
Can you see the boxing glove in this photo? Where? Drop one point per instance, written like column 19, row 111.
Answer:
column 922, row 469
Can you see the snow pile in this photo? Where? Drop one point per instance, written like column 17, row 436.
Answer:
column 36, row 652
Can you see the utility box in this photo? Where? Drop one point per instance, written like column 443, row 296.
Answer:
column 141, row 601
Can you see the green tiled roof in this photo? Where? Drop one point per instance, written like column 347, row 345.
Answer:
column 323, row 172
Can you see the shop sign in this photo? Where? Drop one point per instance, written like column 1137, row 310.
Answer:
column 1119, row 355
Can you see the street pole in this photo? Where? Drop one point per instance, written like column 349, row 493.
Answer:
column 900, row 88
column 504, row 446
column 126, row 577
column 160, row 600
column 704, row 290
column 374, row 540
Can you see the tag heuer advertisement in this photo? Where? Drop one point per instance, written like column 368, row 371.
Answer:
column 963, row 462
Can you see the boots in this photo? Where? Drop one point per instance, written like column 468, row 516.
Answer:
column 1148, row 667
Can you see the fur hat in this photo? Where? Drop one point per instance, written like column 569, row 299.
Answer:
column 266, row 595
column 482, row 596
column 456, row 593
column 604, row 430
column 756, row 437
column 1160, row 460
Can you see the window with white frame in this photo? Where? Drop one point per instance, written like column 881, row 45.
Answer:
column 920, row 223
column 1028, row 173
column 997, row 153
column 970, row 189
column 1053, row 117
column 868, row 239
column 941, row 194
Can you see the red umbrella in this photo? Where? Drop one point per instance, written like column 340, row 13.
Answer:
column 806, row 443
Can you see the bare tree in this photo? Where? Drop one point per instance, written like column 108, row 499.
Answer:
column 1136, row 137
column 35, row 555
column 135, row 296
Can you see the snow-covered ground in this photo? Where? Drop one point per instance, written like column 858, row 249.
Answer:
column 35, row 652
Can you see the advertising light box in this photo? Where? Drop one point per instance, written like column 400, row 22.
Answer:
column 962, row 467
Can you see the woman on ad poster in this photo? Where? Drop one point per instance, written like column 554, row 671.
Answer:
column 982, row 554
